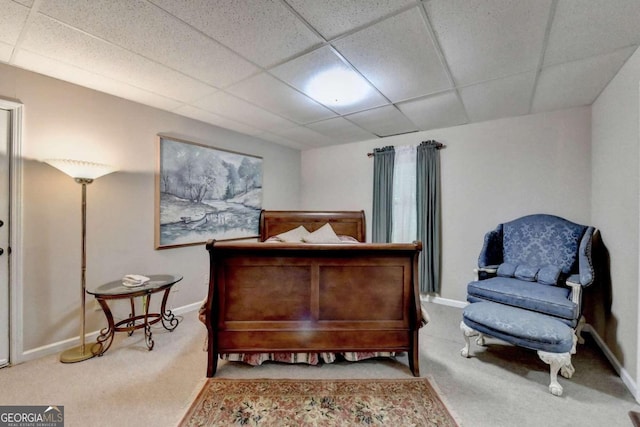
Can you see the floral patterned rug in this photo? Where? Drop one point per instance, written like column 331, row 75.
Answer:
column 267, row 402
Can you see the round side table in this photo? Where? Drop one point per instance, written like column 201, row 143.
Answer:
column 117, row 290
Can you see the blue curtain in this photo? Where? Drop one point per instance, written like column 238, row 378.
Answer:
column 428, row 215
column 383, row 160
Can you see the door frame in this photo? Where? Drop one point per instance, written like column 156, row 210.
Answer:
column 15, row 225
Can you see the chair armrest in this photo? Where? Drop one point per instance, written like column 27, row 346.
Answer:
column 576, row 291
column 486, row 272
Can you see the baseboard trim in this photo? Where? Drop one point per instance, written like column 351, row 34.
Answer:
column 60, row 346
column 622, row 373
column 443, row 301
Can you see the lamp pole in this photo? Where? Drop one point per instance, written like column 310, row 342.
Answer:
column 78, row 354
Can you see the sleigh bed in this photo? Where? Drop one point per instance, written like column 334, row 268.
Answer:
column 296, row 301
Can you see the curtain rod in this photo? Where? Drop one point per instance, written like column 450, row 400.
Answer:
column 438, row 145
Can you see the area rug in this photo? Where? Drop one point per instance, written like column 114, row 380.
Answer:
column 269, row 402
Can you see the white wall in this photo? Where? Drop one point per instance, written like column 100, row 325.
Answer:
column 62, row 120
column 491, row 172
column 615, row 205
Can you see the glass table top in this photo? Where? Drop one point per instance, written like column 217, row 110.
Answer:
column 156, row 282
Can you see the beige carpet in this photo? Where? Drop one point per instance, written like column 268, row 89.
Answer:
column 499, row 386
column 271, row 402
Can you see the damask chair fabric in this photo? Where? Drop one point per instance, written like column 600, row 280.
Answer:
column 538, row 263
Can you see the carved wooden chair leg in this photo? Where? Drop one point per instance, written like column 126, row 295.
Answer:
column 467, row 332
column 568, row 370
column 579, row 328
column 556, row 361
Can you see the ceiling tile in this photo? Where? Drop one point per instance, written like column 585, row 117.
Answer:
column 12, row 20
column 263, row 31
column 578, row 82
column 397, row 56
column 341, row 131
column 299, row 72
column 486, row 39
column 334, row 17
column 214, row 119
column 270, row 93
column 267, row 136
column 50, row 67
column 128, row 23
column 54, row 40
column 436, row 111
column 305, row 136
column 5, row 52
column 229, row 106
column 579, row 30
column 495, row 99
column 383, row 121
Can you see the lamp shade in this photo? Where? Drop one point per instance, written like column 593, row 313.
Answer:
column 80, row 169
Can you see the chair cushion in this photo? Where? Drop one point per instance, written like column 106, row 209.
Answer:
column 526, row 272
column 549, row 275
column 506, row 269
column 519, row 327
column 551, row 300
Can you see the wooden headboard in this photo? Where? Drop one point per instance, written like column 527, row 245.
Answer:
column 345, row 223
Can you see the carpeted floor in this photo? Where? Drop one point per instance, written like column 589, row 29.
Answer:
column 282, row 402
column 499, row 386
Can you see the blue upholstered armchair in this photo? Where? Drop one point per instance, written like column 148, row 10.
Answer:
column 539, row 263
column 528, row 290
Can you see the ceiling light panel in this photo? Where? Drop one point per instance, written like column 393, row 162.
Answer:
column 485, row 39
column 341, row 130
column 129, row 23
column 334, row 17
column 270, row 93
column 576, row 83
column 510, row 96
column 229, row 106
column 51, row 39
column 580, row 31
column 263, row 31
column 436, row 111
column 397, row 56
column 301, row 71
column 383, row 121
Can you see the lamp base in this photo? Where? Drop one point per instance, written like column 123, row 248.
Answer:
column 76, row 354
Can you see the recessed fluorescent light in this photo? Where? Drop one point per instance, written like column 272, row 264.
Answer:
column 337, row 87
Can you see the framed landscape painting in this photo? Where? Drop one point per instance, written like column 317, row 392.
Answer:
column 205, row 193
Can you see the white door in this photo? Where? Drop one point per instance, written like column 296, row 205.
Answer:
column 4, row 237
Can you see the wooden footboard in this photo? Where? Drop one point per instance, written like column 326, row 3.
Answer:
column 280, row 297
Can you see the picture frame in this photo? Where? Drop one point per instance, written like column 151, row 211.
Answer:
column 204, row 192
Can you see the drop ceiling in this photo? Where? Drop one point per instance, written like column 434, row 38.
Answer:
column 244, row 64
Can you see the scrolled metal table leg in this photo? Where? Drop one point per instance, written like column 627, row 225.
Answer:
column 104, row 340
column 167, row 316
column 146, row 301
column 132, row 316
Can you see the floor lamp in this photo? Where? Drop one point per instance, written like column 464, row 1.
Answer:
column 84, row 173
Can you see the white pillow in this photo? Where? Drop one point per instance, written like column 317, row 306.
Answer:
column 324, row 234
column 295, row 235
